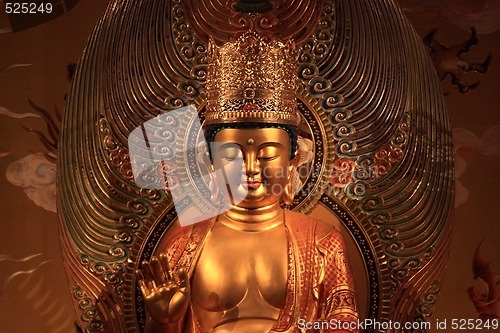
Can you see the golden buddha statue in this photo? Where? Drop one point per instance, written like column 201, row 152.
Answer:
column 256, row 267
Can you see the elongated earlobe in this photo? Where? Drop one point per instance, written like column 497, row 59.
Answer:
column 288, row 194
column 291, row 188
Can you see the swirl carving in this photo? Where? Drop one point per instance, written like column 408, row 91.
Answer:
column 429, row 299
column 112, row 274
column 89, row 312
column 222, row 19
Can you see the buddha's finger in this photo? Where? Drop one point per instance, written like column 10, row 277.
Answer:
column 158, row 274
column 184, row 280
column 144, row 289
column 138, row 275
column 148, row 275
column 166, row 266
column 142, row 284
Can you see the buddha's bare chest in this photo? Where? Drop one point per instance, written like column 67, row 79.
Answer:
column 236, row 267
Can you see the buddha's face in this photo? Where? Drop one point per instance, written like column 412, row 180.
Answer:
column 255, row 163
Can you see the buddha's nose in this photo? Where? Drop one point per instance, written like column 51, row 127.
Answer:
column 251, row 164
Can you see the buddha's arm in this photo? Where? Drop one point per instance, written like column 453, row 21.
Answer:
column 339, row 305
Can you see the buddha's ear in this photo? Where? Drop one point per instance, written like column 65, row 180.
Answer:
column 204, row 158
column 294, row 162
column 289, row 192
column 304, row 153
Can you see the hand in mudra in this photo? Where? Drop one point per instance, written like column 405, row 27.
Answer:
column 166, row 295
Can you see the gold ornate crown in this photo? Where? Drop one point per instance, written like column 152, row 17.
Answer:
column 251, row 80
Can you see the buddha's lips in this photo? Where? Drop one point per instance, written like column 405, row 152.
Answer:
column 251, row 184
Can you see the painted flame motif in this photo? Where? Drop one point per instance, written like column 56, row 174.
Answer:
column 487, row 304
column 40, row 295
column 483, row 14
column 8, row 113
column 6, row 68
column 4, row 257
column 487, row 145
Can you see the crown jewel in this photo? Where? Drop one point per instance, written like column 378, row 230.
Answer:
column 251, row 79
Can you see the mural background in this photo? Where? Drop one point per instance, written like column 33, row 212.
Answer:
column 34, row 74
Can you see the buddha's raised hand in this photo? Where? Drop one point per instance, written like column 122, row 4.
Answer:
column 166, row 293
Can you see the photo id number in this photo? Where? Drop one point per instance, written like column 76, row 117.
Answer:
column 28, row 8
column 474, row 324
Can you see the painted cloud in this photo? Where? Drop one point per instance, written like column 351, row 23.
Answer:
column 37, row 176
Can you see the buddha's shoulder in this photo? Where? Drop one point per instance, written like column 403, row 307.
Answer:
column 178, row 236
column 321, row 228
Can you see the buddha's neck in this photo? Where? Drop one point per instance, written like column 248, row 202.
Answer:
column 257, row 219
